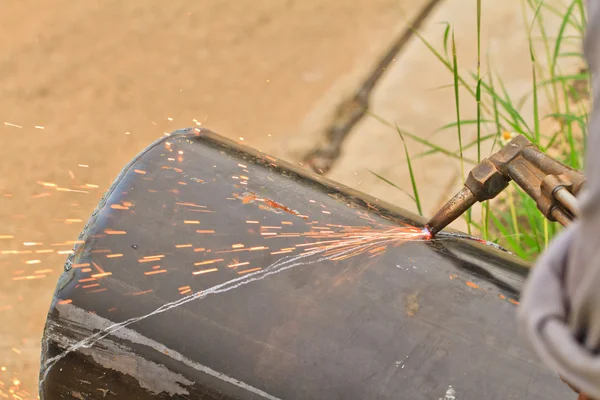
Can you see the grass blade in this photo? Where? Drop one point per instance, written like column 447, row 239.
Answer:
column 394, row 185
column 412, row 175
column 457, row 106
column 421, row 140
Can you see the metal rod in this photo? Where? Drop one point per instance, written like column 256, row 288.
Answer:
column 567, row 200
column 561, row 216
column 453, row 209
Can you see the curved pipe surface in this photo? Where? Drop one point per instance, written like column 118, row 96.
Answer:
column 213, row 271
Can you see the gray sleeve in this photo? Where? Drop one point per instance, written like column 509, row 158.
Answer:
column 560, row 305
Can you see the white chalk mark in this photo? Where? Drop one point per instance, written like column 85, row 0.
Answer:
column 278, row 266
column 450, row 394
column 170, row 380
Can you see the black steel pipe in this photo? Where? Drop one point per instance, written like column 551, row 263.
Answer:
column 212, row 271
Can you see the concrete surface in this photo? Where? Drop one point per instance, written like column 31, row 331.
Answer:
column 86, row 85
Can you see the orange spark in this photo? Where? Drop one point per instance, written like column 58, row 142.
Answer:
column 208, row 262
column 158, row 271
column 90, row 286
column 101, row 275
column 61, row 189
column 205, row 231
column 113, row 232
column 247, row 271
column 282, row 252
column 42, row 271
column 114, row 255
column 139, row 171
column 204, row 271
column 181, row 246
column 67, row 301
column 191, row 222
column 238, row 264
column 28, row 277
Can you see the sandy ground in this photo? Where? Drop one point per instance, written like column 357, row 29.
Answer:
column 84, row 86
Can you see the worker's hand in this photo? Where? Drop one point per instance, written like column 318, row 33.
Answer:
column 555, row 310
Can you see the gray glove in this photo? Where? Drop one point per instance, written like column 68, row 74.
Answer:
column 560, row 305
column 560, row 311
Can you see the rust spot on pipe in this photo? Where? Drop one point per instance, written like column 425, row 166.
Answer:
column 268, row 204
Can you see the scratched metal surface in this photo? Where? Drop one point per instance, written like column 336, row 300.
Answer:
column 212, row 271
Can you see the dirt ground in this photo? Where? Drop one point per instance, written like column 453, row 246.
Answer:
column 84, row 86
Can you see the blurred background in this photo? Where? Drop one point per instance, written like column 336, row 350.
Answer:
column 86, row 85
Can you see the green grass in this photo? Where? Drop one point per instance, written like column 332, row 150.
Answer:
column 512, row 219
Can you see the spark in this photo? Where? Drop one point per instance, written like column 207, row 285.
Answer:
column 13, row 125
column 48, row 184
column 190, row 205
column 252, row 222
column 181, row 246
column 191, row 222
column 113, row 232
column 114, row 255
column 238, row 264
column 61, row 189
column 33, row 261
column 258, row 248
column 208, row 262
column 28, row 277
column 83, row 165
column 158, row 271
column 204, row 271
column 90, row 286
column 39, row 127
column 139, row 171
column 247, row 271
column 142, row 292
column 282, row 252
column 7, row 237
column 102, row 275
column 237, row 246
column 205, row 231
